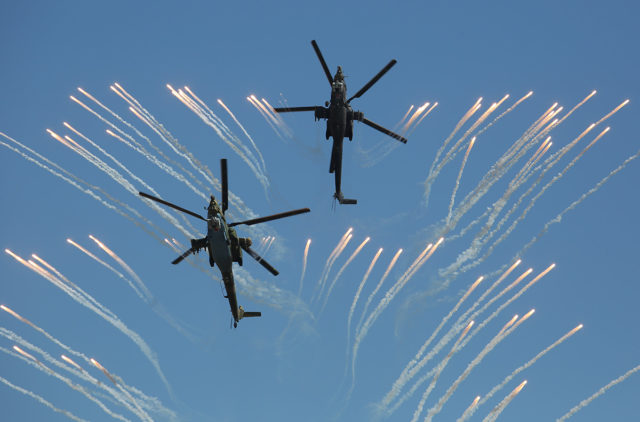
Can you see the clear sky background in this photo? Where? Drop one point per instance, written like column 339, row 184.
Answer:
column 292, row 363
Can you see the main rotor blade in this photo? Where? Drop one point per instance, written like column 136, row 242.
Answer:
column 174, row 206
column 373, row 81
column 322, row 62
column 225, row 185
column 384, row 130
column 270, row 217
column 289, row 109
column 183, row 256
column 260, row 260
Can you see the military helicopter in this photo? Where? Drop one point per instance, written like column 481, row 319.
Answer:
column 222, row 242
column 340, row 117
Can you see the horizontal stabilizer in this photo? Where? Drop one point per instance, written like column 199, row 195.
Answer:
column 243, row 314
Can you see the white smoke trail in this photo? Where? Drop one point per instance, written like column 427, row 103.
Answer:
column 69, row 180
column 493, row 415
column 230, row 134
column 304, row 264
column 434, row 171
column 470, row 409
column 357, row 296
column 125, row 266
column 116, row 176
column 26, row 357
column 42, row 401
column 522, row 368
column 577, row 202
column 136, row 146
column 233, row 116
column 341, row 270
column 332, row 257
column 475, row 362
column 533, row 200
column 165, row 135
column 457, row 185
column 409, row 372
column 439, row 370
column 265, row 115
column 109, row 267
column 392, row 263
column 597, row 394
column 210, row 119
column 388, row 297
column 89, row 302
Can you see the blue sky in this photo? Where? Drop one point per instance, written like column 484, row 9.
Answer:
column 290, row 364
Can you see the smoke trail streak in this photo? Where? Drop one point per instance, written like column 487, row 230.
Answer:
column 281, row 123
column 38, row 364
column 109, row 267
column 268, row 112
column 228, row 131
column 166, row 136
column 267, row 118
column 118, row 178
column 508, row 302
column 273, row 238
column 233, row 199
column 469, row 410
column 89, row 302
column 457, row 185
column 344, row 266
column 357, row 296
column 517, row 150
column 69, row 178
column 597, row 394
column 125, row 266
column 433, row 172
column 378, row 152
column 268, row 115
column 533, row 200
column 414, row 116
column 392, row 263
column 404, row 117
column 148, row 121
column 439, row 370
column 264, row 166
column 304, row 264
column 210, row 119
column 504, row 113
column 329, row 263
column 524, row 172
column 142, row 414
column 523, row 367
column 409, row 372
column 493, row 415
column 111, row 157
column 61, row 277
column 42, row 401
column 475, row 362
column 415, row 126
column 121, row 120
column 136, row 146
column 388, row 297
column 402, row 380
column 451, row 154
column 577, row 202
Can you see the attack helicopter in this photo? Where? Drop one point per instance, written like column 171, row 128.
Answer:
column 340, row 117
column 222, row 242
